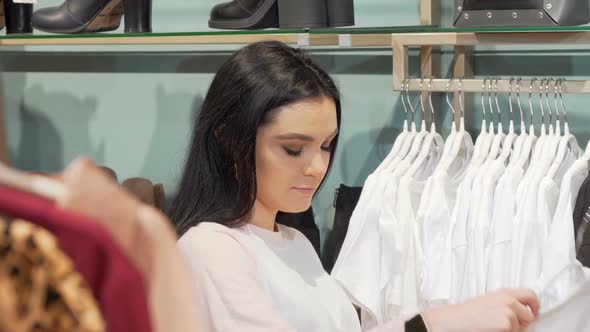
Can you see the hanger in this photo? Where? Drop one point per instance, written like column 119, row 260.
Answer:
column 523, row 134
column 567, row 143
column 552, row 142
column 462, row 148
column 433, row 144
column 510, row 138
column 524, row 156
column 499, row 137
column 34, row 184
column 543, row 136
column 410, row 136
column 419, row 139
column 453, row 132
column 397, row 144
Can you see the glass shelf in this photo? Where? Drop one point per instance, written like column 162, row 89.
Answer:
column 325, row 37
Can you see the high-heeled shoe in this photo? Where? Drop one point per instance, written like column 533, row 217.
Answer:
column 79, row 16
column 260, row 14
column 16, row 17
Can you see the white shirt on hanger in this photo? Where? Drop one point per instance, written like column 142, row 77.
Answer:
column 500, row 243
column 361, row 251
column 403, row 251
column 528, row 234
column 559, row 250
column 570, row 313
column 435, row 218
column 479, row 239
column 458, row 236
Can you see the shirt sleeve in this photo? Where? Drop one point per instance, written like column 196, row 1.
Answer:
column 230, row 295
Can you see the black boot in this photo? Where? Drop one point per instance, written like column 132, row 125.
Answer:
column 340, row 13
column 79, row 16
column 260, row 14
column 18, row 17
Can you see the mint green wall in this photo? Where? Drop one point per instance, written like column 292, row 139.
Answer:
column 131, row 107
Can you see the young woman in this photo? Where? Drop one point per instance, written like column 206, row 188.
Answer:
column 262, row 146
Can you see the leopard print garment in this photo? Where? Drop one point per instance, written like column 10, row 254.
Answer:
column 40, row 290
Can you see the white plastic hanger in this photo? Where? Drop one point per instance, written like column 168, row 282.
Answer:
column 397, row 144
column 509, row 140
column 567, row 143
column 499, row 137
column 525, row 155
column 523, row 134
column 433, row 144
column 462, row 148
column 410, row 136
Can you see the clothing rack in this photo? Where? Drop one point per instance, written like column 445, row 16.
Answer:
column 460, row 40
column 502, row 85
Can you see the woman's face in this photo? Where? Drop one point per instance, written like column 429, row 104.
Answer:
column 293, row 152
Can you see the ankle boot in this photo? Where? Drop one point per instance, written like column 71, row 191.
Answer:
column 260, row 14
column 79, row 16
column 340, row 13
column 18, row 17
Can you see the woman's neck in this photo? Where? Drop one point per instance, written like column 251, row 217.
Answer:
column 263, row 217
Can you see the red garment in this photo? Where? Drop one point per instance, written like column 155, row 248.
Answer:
column 116, row 283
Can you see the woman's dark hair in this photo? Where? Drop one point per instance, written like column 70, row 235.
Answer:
column 219, row 180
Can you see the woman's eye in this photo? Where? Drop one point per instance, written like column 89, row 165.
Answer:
column 294, row 153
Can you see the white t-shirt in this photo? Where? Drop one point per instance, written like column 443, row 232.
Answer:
column 458, row 236
column 480, row 222
column 559, row 249
column 253, row 279
column 499, row 256
column 570, row 313
column 435, row 219
column 361, row 251
column 528, row 233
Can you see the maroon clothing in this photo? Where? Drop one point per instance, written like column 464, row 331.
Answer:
column 116, row 283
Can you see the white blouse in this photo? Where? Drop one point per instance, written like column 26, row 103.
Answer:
column 253, row 279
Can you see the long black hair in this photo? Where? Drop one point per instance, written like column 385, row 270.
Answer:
column 219, row 179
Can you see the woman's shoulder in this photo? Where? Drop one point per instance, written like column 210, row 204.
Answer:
column 210, row 240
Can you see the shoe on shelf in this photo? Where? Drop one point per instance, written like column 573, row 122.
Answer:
column 82, row 16
column 261, row 14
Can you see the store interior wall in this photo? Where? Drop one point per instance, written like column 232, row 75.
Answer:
column 131, row 107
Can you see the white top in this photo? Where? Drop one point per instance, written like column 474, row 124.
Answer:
column 253, row 279
column 361, row 251
column 435, row 216
column 559, row 250
column 479, row 224
column 571, row 312
column 500, row 244
column 458, row 236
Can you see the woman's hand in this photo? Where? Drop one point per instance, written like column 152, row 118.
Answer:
column 511, row 310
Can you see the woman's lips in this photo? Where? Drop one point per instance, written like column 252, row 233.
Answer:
column 305, row 191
